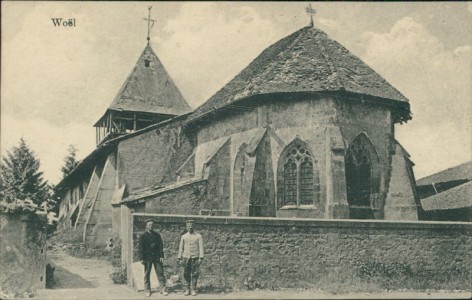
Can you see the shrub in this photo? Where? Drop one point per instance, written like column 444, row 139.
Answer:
column 69, row 235
column 115, row 254
column 119, row 275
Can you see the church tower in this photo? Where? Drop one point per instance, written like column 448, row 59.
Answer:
column 147, row 96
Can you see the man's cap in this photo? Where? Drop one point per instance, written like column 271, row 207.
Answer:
column 149, row 220
column 190, row 221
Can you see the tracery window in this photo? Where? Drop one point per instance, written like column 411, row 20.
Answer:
column 298, row 178
column 360, row 181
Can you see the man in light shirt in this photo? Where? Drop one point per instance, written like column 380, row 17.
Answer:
column 191, row 250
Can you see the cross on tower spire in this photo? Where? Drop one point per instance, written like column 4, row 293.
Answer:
column 149, row 24
column 311, row 11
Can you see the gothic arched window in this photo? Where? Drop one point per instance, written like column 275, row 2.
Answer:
column 298, row 182
column 361, row 183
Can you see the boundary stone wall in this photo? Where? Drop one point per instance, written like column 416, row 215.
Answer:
column 331, row 255
column 22, row 253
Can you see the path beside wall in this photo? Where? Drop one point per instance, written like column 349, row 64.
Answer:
column 333, row 255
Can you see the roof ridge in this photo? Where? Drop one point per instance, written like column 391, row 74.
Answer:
column 306, row 61
column 127, row 80
column 372, row 72
column 449, row 199
column 445, row 171
column 169, row 77
column 149, row 88
column 274, row 62
column 245, row 69
column 329, row 61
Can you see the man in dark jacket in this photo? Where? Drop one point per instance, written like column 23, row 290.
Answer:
column 151, row 252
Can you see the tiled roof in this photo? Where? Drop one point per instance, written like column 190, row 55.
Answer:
column 104, row 149
column 155, row 190
column 458, row 197
column 462, row 171
column 150, row 89
column 305, row 61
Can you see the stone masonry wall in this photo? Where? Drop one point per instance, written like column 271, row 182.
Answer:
column 313, row 111
column 22, row 253
column 219, row 180
column 152, row 158
column 332, row 255
column 354, row 118
column 184, row 199
column 288, row 118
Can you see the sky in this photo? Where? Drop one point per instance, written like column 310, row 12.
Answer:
column 56, row 82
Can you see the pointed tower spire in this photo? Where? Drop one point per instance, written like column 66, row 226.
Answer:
column 148, row 96
column 150, row 23
column 311, row 12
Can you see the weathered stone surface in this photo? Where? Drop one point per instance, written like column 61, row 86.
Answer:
column 217, row 171
column 375, row 125
column 401, row 202
column 331, row 255
column 336, row 199
column 327, row 124
column 22, row 254
column 183, row 199
column 152, row 158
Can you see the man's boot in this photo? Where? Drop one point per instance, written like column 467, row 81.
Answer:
column 187, row 291
column 194, row 291
column 164, row 292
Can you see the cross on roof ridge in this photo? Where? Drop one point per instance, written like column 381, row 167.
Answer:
column 149, row 23
column 310, row 10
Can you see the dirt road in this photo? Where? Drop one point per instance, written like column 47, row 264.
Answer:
column 77, row 278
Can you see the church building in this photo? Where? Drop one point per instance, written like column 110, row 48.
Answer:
column 306, row 130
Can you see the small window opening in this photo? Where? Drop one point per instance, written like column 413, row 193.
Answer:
column 147, row 62
column 41, row 278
